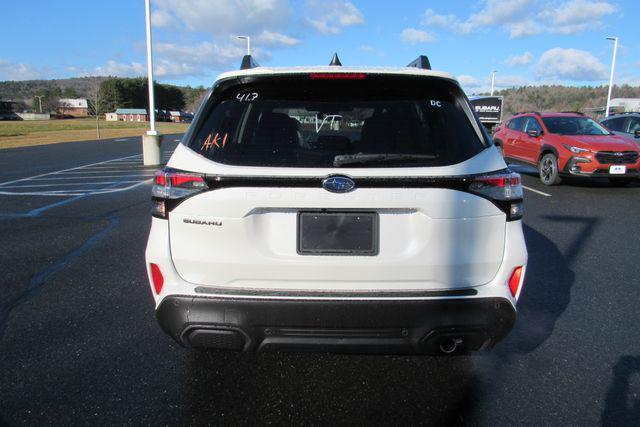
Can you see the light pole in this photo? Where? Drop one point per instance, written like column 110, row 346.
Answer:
column 40, row 101
column 613, row 66
column 493, row 80
column 150, row 141
column 248, row 39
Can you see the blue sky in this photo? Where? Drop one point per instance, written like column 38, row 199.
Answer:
column 527, row 42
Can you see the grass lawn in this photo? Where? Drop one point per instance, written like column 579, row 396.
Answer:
column 37, row 132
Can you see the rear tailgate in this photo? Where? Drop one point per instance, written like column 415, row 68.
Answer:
column 247, row 237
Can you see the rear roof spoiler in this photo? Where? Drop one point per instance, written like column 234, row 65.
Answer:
column 248, row 62
column 420, row 62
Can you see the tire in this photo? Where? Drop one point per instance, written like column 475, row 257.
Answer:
column 548, row 170
column 620, row 182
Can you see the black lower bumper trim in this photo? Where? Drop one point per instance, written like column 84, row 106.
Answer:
column 356, row 326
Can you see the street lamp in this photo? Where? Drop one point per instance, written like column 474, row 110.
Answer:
column 248, row 39
column 613, row 65
column 493, row 80
column 150, row 141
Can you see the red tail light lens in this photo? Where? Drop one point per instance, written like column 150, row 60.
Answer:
column 171, row 186
column 504, row 189
column 515, row 281
column 156, row 278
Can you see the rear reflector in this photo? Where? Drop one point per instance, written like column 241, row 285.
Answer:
column 337, row 76
column 515, row 281
column 156, row 278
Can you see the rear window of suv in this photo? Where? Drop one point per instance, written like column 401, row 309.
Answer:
column 314, row 120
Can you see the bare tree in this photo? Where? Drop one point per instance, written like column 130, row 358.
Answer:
column 96, row 103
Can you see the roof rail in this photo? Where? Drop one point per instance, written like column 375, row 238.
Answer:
column 335, row 61
column 573, row 112
column 527, row 112
column 248, row 62
column 420, row 62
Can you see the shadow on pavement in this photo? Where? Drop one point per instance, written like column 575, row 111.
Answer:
column 299, row 388
column 545, row 295
column 622, row 404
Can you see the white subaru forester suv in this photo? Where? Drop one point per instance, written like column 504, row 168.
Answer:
column 336, row 209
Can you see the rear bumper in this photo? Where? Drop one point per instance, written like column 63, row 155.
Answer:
column 355, row 326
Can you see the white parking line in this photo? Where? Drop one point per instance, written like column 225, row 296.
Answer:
column 536, row 191
column 108, row 176
column 65, row 170
column 27, row 185
column 92, row 177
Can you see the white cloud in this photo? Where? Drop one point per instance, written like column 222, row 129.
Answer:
column 523, row 18
column 332, row 16
column 223, row 17
column 525, row 28
column 472, row 85
column 577, row 15
column 494, row 13
column 114, row 68
column 517, row 60
column 413, row 36
column 162, row 18
column 176, row 60
column 366, row 48
column 434, row 19
column 498, row 12
column 570, row 64
column 18, row 71
column 266, row 21
column 271, row 38
column 466, row 80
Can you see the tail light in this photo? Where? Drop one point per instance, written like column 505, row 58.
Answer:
column 170, row 187
column 503, row 189
column 515, row 281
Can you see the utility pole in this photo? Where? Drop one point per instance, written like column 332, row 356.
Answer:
column 40, row 101
column 493, row 80
column 151, row 140
column 613, row 66
column 248, row 39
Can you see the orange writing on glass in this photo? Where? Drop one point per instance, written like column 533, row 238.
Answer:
column 214, row 141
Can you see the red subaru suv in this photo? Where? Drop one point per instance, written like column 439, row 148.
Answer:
column 567, row 144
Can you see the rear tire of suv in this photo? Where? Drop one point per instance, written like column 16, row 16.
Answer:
column 620, row 182
column 548, row 170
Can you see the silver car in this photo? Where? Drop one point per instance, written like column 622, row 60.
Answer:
column 626, row 124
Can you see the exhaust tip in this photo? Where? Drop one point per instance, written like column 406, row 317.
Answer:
column 449, row 345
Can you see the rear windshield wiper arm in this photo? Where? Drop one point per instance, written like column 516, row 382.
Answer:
column 349, row 159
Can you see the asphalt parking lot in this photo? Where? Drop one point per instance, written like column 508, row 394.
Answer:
column 79, row 343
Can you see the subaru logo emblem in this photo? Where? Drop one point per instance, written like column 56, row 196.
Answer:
column 338, row 184
column 619, row 154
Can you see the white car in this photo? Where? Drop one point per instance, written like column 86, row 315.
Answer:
column 279, row 226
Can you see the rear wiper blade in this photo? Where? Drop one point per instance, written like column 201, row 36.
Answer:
column 349, row 159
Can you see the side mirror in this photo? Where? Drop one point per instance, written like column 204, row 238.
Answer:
column 533, row 133
column 637, row 133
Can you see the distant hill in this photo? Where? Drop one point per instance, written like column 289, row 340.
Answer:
column 23, row 91
column 526, row 98
column 560, row 98
column 26, row 89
